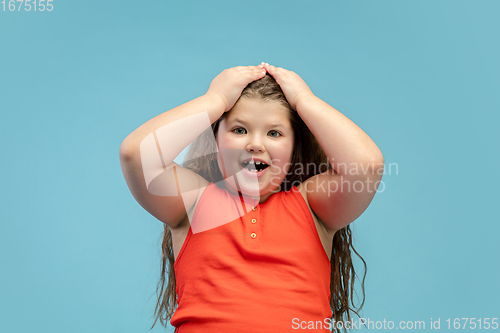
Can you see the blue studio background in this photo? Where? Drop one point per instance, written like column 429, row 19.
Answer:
column 422, row 78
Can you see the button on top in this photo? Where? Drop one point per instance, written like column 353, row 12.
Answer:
column 253, row 235
column 254, row 220
column 254, row 208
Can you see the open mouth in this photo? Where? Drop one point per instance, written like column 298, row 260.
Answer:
column 254, row 166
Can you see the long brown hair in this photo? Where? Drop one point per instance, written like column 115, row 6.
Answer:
column 307, row 151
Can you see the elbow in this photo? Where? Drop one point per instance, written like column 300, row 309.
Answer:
column 377, row 160
column 373, row 155
column 374, row 165
column 376, row 155
column 126, row 152
column 378, row 167
column 378, row 164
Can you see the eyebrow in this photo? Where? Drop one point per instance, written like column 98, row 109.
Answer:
column 243, row 122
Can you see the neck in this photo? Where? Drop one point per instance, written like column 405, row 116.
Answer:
column 251, row 199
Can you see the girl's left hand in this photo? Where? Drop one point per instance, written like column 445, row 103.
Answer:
column 293, row 86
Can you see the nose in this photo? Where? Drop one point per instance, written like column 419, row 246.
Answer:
column 255, row 145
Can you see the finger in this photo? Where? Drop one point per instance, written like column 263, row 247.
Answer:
column 261, row 71
column 245, row 68
column 256, row 72
column 271, row 69
column 256, row 68
column 248, row 68
column 266, row 65
column 250, row 73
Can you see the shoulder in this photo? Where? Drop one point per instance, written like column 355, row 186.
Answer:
column 212, row 198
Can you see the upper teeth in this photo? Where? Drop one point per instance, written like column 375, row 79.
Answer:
column 257, row 162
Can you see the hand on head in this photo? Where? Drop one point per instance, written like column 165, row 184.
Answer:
column 229, row 84
column 294, row 88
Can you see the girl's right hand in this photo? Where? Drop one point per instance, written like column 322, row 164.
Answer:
column 229, row 84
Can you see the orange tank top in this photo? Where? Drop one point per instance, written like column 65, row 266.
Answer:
column 264, row 271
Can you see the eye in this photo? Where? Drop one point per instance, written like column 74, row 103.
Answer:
column 239, row 130
column 274, row 133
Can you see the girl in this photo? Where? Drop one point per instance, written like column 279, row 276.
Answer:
column 257, row 221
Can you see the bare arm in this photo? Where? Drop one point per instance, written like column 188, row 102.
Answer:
column 154, row 179
column 179, row 138
column 147, row 154
column 341, row 195
column 356, row 160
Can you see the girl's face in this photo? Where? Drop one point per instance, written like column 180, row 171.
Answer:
column 255, row 142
